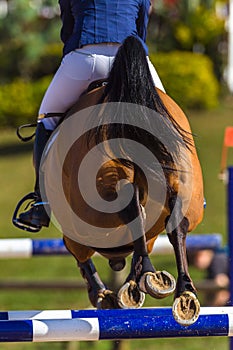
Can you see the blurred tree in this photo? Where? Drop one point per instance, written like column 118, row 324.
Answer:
column 189, row 25
column 27, row 29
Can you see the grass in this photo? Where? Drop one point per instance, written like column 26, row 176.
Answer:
column 16, row 179
column 209, row 128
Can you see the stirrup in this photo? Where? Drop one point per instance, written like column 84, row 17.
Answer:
column 16, row 220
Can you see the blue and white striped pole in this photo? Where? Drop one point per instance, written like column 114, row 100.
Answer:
column 27, row 247
column 71, row 325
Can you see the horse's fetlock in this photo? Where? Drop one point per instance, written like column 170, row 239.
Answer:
column 146, row 265
column 184, row 284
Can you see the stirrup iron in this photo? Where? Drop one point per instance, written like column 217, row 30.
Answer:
column 16, row 220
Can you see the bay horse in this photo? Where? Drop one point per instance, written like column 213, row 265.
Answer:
column 129, row 95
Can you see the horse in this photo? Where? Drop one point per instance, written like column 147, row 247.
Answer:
column 127, row 107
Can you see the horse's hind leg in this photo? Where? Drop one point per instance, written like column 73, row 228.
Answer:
column 143, row 278
column 99, row 295
column 186, row 306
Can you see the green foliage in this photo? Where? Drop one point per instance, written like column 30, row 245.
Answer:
column 188, row 78
column 201, row 26
column 190, row 26
column 188, row 23
column 48, row 62
column 20, row 100
column 25, row 31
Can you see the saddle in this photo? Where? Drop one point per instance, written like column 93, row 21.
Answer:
column 96, row 84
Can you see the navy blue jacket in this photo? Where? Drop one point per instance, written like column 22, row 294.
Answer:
column 87, row 22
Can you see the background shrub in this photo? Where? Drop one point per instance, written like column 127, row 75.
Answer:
column 20, row 100
column 188, row 78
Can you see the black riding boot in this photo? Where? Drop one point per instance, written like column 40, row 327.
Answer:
column 36, row 217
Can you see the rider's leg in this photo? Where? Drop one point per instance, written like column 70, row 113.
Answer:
column 37, row 215
column 74, row 75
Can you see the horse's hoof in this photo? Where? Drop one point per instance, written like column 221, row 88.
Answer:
column 130, row 297
column 186, row 309
column 158, row 284
column 107, row 299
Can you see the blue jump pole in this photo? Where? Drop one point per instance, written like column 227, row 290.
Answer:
column 49, row 247
column 195, row 242
column 230, row 235
column 27, row 247
column 88, row 325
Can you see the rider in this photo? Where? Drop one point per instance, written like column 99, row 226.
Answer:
column 92, row 31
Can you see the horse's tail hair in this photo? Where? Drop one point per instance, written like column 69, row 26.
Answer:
column 130, row 81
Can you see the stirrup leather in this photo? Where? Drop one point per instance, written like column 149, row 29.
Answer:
column 16, row 220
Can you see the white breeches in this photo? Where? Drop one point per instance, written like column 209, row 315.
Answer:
column 77, row 70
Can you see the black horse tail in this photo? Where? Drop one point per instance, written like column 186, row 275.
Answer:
column 130, row 82
column 130, row 79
